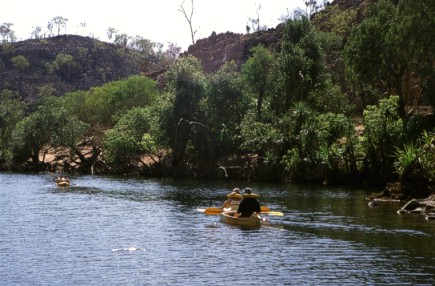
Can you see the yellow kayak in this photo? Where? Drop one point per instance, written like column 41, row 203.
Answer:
column 228, row 217
column 63, row 184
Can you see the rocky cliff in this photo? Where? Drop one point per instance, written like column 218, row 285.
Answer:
column 217, row 49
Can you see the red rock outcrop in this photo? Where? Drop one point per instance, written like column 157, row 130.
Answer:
column 217, row 49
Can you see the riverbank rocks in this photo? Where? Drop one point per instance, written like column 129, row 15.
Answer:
column 425, row 207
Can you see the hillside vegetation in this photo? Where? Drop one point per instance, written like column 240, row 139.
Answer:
column 54, row 66
column 339, row 101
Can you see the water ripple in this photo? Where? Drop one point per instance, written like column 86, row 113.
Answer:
column 118, row 231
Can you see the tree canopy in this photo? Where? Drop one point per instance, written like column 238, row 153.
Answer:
column 288, row 114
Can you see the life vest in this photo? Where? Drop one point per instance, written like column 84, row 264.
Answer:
column 235, row 202
column 251, row 195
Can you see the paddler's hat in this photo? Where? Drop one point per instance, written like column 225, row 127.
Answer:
column 234, row 193
column 249, row 194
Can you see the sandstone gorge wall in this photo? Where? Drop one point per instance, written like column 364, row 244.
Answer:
column 217, row 49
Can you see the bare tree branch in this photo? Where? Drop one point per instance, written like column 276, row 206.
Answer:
column 182, row 120
column 189, row 19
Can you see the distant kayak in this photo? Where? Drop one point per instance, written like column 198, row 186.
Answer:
column 63, row 184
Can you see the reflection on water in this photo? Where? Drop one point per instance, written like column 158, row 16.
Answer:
column 131, row 231
column 128, row 249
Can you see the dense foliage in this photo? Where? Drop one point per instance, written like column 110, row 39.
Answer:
column 338, row 104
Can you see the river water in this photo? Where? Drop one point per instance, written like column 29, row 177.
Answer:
column 135, row 231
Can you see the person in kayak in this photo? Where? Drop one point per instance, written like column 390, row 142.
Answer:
column 249, row 204
column 60, row 179
column 233, row 201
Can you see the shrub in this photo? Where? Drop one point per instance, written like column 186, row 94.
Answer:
column 20, row 62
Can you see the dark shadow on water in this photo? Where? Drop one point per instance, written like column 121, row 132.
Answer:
column 76, row 189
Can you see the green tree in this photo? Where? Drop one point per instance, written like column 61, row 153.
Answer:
column 392, row 50
column 416, row 27
column 298, row 67
column 300, row 130
column 150, row 53
column 7, row 33
column 50, row 26
column 20, row 62
column 35, row 33
column 46, row 90
column 50, row 124
column 65, row 65
column 122, row 40
column 328, row 97
column 60, row 22
column 336, row 138
column 110, row 32
column 172, row 51
column 145, row 46
column 372, row 49
column 289, row 147
column 255, row 22
column 223, row 109
column 11, row 112
column 336, row 20
column 131, row 139
column 186, row 84
column 415, row 163
column 104, row 105
column 383, row 131
column 256, row 73
column 76, row 102
column 262, row 138
column 333, row 26
column 312, row 6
